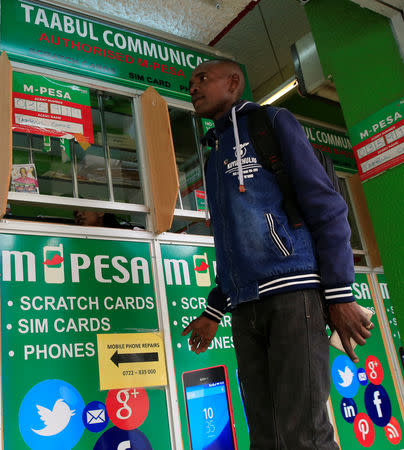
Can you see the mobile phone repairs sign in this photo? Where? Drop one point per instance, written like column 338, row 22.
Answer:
column 131, row 360
column 50, row 107
column 378, row 141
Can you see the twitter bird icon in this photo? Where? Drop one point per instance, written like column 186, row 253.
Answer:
column 346, row 376
column 50, row 416
column 55, row 420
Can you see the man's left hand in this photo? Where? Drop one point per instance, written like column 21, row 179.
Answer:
column 350, row 322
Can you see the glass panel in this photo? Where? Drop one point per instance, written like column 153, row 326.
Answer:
column 189, row 227
column 186, row 154
column 54, row 167
column 47, row 163
column 356, row 242
column 91, row 163
column 359, row 260
column 121, row 140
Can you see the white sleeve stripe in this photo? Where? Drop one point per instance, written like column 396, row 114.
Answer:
column 348, row 288
column 214, row 315
column 328, row 297
column 214, row 311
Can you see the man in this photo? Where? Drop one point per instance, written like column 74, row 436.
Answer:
column 274, row 278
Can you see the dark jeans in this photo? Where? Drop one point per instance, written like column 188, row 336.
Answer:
column 284, row 369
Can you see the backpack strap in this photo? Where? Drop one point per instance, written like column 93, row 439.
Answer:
column 328, row 165
column 267, row 148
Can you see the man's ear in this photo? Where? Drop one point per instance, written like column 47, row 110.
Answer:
column 234, row 82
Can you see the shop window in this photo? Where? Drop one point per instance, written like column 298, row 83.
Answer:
column 186, row 132
column 106, row 170
column 189, row 164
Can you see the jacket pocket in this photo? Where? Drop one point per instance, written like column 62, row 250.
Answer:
column 279, row 236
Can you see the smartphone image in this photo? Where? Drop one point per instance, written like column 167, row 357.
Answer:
column 201, row 268
column 209, row 409
column 53, row 264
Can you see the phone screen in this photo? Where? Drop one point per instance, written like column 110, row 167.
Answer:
column 209, row 411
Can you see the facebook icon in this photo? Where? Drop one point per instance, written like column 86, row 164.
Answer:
column 378, row 405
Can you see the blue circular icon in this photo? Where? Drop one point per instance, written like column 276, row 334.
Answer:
column 95, row 417
column 378, row 405
column 349, row 410
column 50, row 416
column 122, row 440
column 344, row 376
column 362, row 377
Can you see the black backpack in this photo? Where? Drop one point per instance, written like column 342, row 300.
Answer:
column 269, row 155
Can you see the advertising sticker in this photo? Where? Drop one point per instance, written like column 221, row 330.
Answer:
column 42, row 105
column 378, row 141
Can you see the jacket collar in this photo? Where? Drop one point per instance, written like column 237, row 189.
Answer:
column 225, row 121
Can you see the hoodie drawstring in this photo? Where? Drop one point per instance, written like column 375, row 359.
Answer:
column 238, row 150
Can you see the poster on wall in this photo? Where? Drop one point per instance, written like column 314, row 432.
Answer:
column 209, row 397
column 24, row 178
column 42, row 105
column 378, row 141
column 367, row 411
column 58, row 294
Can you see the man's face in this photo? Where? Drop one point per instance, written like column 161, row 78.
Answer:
column 212, row 90
column 88, row 218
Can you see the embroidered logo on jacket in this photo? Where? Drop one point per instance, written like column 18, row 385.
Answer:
column 249, row 164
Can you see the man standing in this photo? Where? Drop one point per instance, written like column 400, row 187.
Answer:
column 276, row 280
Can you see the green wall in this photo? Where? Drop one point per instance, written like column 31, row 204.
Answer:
column 357, row 48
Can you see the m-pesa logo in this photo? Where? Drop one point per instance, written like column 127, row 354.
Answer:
column 177, row 271
column 23, row 266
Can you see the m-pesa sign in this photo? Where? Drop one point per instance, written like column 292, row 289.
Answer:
column 50, row 107
column 378, row 141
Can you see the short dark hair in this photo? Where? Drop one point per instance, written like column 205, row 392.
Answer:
column 233, row 65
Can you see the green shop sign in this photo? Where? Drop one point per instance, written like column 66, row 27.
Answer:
column 335, row 144
column 37, row 34
column 189, row 276
column 57, row 294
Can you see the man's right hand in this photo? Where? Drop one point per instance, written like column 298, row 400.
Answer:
column 203, row 332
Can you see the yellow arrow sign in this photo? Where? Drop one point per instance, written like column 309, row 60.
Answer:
column 131, row 360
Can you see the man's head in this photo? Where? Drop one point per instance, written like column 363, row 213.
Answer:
column 89, row 218
column 214, row 87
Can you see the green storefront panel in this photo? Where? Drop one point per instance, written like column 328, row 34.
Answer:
column 57, row 294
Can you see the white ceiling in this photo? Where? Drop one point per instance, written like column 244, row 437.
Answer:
column 199, row 20
column 258, row 34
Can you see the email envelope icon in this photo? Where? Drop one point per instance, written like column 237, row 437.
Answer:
column 95, row 416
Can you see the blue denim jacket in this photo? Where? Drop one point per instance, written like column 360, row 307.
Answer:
column 258, row 253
